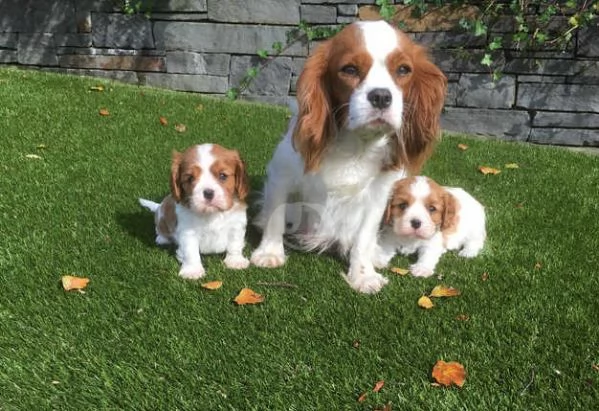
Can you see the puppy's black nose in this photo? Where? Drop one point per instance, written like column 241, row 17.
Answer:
column 380, row 98
column 415, row 224
column 208, row 194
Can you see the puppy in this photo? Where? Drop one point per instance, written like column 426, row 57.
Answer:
column 423, row 217
column 205, row 211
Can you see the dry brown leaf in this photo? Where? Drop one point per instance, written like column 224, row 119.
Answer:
column 70, row 282
column 444, row 291
column 104, row 112
column 512, row 165
column 463, row 147
column 248, row 296
column 41, row 146
column 362, row 397
column 212, row 285
column 448, row 373
column 399, row 271
column 163, row 121
column 425, row 302
column 378, row 386
column 538, row 265
column 595, row 367
column 484, row 276
column 463, row 317
column 180, row 128
column 488, row 170
column 99, row 87
column 519, row 205
column 199, row 107
column 33, row 156
column 355, row 344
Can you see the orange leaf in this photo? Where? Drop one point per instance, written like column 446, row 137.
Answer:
column 163, row 121
column 444, row 291
column 104, row 112
column 378, row 386
column 425, row 302
column 463, row 147
column 362, row 397
column 463, row 317
column 248, row 296
column 70, row 282
column 447, row 373
column 399, row 271
column 488, row 170
column 181, row 128
column 212, row 285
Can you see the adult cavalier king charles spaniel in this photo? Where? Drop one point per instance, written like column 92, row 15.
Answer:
column 369, row 102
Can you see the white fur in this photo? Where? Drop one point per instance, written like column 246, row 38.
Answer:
column 430, row 242
column 341, row 204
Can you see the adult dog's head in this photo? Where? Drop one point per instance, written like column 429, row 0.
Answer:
column 370, row 79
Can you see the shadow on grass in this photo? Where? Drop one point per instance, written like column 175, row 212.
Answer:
column 138, row 224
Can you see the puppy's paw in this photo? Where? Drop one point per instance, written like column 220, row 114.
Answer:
column 236, row 262
column 419, row 270
column 192, row 271
column 269, row 257
column 367, row 283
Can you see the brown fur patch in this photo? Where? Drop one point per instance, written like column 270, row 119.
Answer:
column 167, row 224
column 229, row 165
column 185, row 173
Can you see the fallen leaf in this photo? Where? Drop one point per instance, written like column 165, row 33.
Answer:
column 463, row 317
column 447, row 373
column 378, row 386
column 362, row 397
column 55, row 382
column 70, row 282
column 99, row 87
column 488, row 170
column 212, row 285
column 104, row 112
column 163, row 121
column 444, row 291
column 484, row 276
column 248, row 296
column 435, row 384
column 356, row 344
column 181, row 128
column 463, row 147
column 33, row 156
column 425, row 302
column 512, row 165
column 41, row 147
column 199, row 107
column 519, row 205
column 538, row 265
column 595, row 367
column 399, row 271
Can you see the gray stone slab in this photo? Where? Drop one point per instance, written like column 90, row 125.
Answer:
column 559, row 97
column 37, row 49
column 97, row 5
column 178, row 5
column 443, row 39
column 297, row 65
column 187, row 82
column 121, row 31
column 94, row 51
column 459, row 61
column 8, row 56
column 124, row 76
column 347, row 10
column 542, row 66
column 338, row 1
column 38, row 16
column 560, row 120
column 565, row 136
column 318, row 14
column 135, row 63
column 534, row 78
column 272, row 80
column 479, row 90
column 452, row 93
column 507, row 124
column 197, row 63
column 255, row 11
column 346, row 19
column 222, row 38
column 73, row 40
column 588, row 42
column 179, row 16
column 8, row 40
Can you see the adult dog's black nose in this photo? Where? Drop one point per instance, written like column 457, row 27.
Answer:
column 380, row 98
column 208, row 194
column 415, row 224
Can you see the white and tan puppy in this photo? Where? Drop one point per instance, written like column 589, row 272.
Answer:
column 206, row 210
column 423, row 217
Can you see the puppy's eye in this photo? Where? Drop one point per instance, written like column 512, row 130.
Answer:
column 402, row 206
column 350, row 70
column 188, row 178
column 432, row 209
column 403, row 70
column 222, row 176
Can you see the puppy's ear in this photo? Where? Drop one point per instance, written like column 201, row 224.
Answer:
column 315, row 125
column 242, row 186
column 175, row 174
column 450, row 208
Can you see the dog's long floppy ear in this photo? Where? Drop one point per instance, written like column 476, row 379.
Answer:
column 450, row 208
column 242, row 185
column 315, row 124
column 424, row 102
column 175, row 181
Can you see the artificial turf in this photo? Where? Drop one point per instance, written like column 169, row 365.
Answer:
column 525, row 326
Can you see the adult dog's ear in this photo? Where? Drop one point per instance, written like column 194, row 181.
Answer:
column 175, row 182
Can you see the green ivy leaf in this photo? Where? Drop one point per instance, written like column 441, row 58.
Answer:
column 252, row 72
column 480, row 28
column 277, row 46
column 486, row 60
column 262, row 53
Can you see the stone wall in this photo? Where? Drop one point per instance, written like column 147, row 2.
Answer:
column 206, row 46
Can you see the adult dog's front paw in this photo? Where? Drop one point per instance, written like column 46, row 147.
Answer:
column 419, row 270
column 369, row 282
column 236, row 262
column 269, row 257
column 192, row 271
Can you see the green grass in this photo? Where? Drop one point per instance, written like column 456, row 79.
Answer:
column 142, row 338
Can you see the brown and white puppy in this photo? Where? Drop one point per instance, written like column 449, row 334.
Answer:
column 206, row 211
column 425, row 218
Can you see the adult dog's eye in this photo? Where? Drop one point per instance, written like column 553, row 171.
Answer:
column 432, row 209
column 403, row 70
column 350, row 70
column 222, row 176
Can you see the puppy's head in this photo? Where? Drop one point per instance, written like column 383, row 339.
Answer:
column 419, row 208
column 208, row 178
